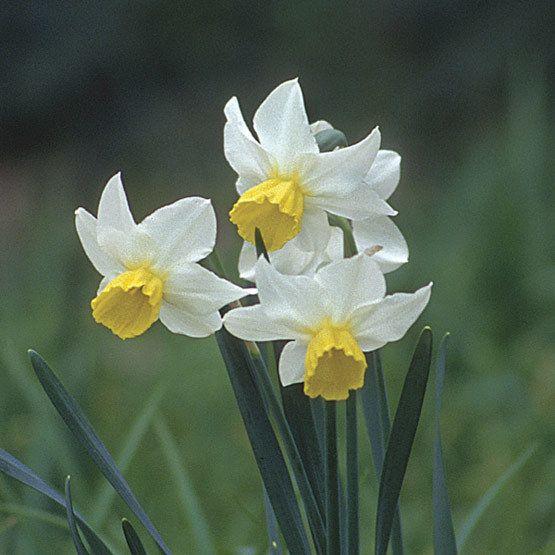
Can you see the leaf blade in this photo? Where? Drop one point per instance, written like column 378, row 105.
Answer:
column 134, row 543
column 78, row 423
column 443, row 530
column 71, row 521
column 14, row 468
column 401, row 439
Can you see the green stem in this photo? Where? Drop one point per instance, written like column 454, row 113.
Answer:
column 352, row 475
column 332, row 498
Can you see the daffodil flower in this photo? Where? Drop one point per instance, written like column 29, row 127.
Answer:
column 149, row 269
column 285, row 184
column 331, row 319
column 292, row 259
column 377, row 234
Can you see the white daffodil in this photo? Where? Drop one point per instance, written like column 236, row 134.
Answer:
column 332, row 318
column 378, row 235
column 286, row 184
column 292, row 259
column 149, row 269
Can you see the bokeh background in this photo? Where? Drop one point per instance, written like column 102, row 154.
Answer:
column 462, row 90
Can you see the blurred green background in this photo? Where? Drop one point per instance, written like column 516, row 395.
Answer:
column 462, row 90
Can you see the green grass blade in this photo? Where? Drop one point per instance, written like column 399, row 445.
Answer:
column 185, row 491
column 265, row 446
column 11, row 466
column 274, row 541
column 132, row 538
column 77, row 422
column 444, row 533
column 352, row 530
column 375, row 409
column 490, row 495
column 401, row 439
column 40, row 515
column 103, row 501
column 333, row 542
column 71, row 521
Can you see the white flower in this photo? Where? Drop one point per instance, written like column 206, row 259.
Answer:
column 286, row 184
column 331, row 318
column 149, row 269
column 292, row 259
column 378, row 234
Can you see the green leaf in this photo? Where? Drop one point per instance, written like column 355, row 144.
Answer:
column 260, row 246
column 401, row 439
column 184, row 489
column 444, row 533
column 490, row 495
column 375, row 409
column 332, row 482
column 77, row 422
column 16, row 469
column 352, row 531
column 71, row 521
column 132, row 538
column 101, row 504
column 274, row 542
column 330, row 139
column 265, row 446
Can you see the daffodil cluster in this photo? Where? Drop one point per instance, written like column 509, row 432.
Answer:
column 331, row 309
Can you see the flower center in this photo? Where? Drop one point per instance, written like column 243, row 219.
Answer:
column 275, row 207
column 130, row 303
column 334, row 363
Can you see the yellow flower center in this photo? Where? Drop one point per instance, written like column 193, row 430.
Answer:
column 275, row 207
column 130, row 303
column 334, row 363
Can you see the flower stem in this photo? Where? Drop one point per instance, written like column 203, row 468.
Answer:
column 332, row 497
column 352, row 475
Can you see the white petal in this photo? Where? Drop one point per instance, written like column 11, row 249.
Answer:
column 320, row 125
column 350, row 283
column 389, row 319
column 360, row 204
column 385, row 173
column 381, row 231
column 294, row 301
column 178, row 320
column 253, row 324
column 113, row 209
column 199, row 290
column 247, row 261
column 233, row 114
column 291, row 363
column 340, row 173
column 129, row 249
column 249, row 160
column 86, row 225
column 282, row 125
column 183, row 231
column 315, row 231
column 334, row 250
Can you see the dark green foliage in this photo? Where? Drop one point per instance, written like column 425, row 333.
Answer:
column 132, row 538
column 401, row 439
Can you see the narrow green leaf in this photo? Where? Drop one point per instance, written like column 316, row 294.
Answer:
column 333, row 541
column 132, row 538
column 260, row 246
column 274, row 542
column 490, row 495
column 105, row 497
column 77, row 422
column 184, row 489
column 401, row 439
column 16, row 469
column 444, row 533
column 265, row 446
column 375, row 408
column 330, row 139
column 352, row 531
column 71, row 521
